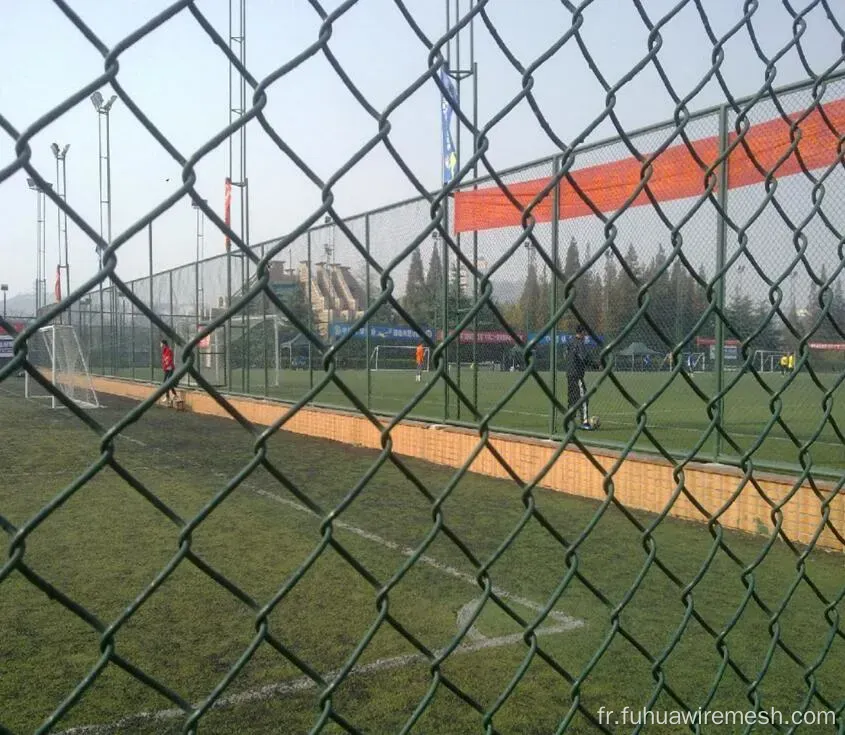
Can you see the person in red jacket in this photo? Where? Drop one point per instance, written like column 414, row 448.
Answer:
column 167, row 365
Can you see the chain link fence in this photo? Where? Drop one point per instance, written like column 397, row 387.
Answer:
column 704, row 256
column 330, row 275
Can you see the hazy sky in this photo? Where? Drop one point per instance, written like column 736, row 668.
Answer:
column 180, row 79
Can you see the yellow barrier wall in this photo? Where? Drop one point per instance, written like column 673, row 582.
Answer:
column 641, row 482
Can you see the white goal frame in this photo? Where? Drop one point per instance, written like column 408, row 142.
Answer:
column 695, row 361
column 767, row 361
column 412, row 363
column 56, row 371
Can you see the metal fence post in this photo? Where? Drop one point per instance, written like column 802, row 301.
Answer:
column 721, row 245
column 367, row 335
column 152, row 336
column 553, row 290
column 132, row 332
column 445, row 295
column 227, row 325
column 310, row 312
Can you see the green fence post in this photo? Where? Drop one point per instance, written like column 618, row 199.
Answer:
column 721, row 245
column 227, row 325
column 310, row 314
column 445, row 295
column 152, row 336
column 553, row 294
column 367, row 335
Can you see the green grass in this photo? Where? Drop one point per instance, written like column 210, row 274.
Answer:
column 106, row 544
column 677, row 418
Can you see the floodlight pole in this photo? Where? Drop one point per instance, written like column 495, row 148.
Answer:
column 237, row 174
column 459, row 74
column 200, row 248
column 4, row 287
column 40, row 244
column 61, row 176
column 103, row 109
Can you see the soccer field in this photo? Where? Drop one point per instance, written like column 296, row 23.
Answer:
column 279, row 602
column 678, row 418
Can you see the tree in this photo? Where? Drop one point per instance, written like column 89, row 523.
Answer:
column 610, row 310
column 543, row 312
column 415, row 301
column 529, row 301
column 570, row 267
column 837, row 310
column 740, row 314
column 593, row 297
column 624, row 294
column 434, row 288
column 663, row 308
column 819, row 299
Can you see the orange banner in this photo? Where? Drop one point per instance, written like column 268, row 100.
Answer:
column 675, row 174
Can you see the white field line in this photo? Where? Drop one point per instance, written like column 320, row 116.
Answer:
column 304, row 683
column 427, row 560
column 563, row 624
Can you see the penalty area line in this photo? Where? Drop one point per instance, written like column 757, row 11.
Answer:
column 304, row 683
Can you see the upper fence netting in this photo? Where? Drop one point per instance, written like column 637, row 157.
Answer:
column 703, row 255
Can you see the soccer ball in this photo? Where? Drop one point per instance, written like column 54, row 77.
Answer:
column 595, row 422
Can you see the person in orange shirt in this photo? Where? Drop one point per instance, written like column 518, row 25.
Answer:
column 420, row 354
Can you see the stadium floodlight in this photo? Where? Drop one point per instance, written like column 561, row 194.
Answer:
column 97, row 100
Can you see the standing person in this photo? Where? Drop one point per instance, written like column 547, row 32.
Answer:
column 420, row 355
column 167, row 366
column 576, row 386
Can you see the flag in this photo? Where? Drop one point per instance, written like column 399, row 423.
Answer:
column 58, row 287
column 450, row 157
column 227, row 209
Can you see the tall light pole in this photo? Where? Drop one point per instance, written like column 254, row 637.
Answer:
column 103, row 108
column 4, row 287
column 200, row 254
column 40, row 240
column 61, row 190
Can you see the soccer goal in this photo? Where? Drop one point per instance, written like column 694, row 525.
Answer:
column 56, row 352
column 695, row 362
column 398, row 357
column 767, row 361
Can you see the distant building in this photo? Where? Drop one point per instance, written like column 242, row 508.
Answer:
column 336, row 295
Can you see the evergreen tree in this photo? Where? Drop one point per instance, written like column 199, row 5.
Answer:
column 699, row 304
column 610, row 311
column 771, row 337
column 529, row 301
column 825, row 331
column 415, row 301
column 570, row 267
column 740, row 314
column 434, row 288
column 838, row 308
column 544, row 305
column 625, row 294
column 593, row 297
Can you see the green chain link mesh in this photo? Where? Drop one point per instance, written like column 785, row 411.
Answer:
column 378, row 246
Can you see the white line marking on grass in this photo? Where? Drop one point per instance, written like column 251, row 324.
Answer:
column 468, row 610
column 427, row 560
column 304, row 683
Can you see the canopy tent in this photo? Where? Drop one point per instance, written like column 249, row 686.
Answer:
column 637, row 356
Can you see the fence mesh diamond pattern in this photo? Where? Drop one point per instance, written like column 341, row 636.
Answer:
column 704, row 260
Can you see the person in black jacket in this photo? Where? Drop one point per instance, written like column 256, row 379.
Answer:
column 576, row 386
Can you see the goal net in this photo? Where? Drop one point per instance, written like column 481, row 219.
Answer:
column 695, row 362
column 56, row 352
column 398, row 357
column 767, row 361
